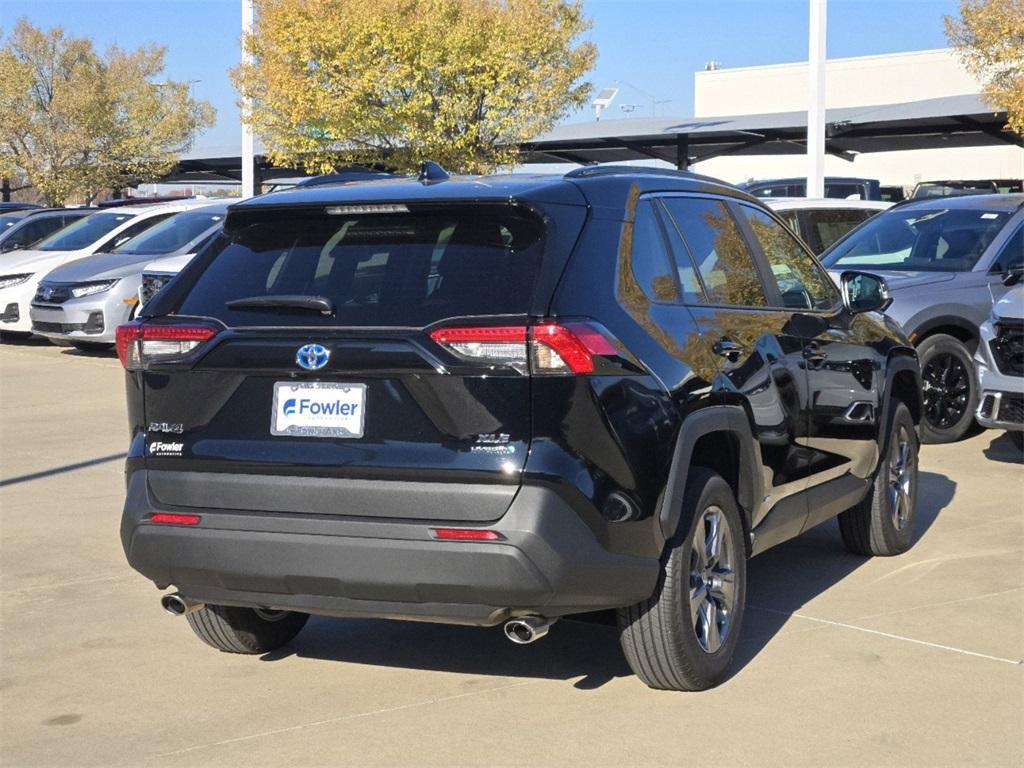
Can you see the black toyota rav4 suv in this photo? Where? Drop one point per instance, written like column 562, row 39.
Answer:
column 505, row 400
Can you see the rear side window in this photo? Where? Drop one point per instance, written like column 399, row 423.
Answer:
column 651, row 266
column 711, row 238
column 378, row 269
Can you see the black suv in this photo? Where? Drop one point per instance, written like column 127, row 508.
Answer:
column 504, row 400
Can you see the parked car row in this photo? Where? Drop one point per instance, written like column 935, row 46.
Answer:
column 83, row 277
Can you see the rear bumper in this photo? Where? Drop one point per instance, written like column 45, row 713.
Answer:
column 549, row 562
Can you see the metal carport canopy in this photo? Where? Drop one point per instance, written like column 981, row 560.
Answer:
column 949, row 121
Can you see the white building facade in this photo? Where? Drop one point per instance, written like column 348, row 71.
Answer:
column 852, row 82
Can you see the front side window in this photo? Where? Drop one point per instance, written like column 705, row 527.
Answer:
column 931, row 240
column 711, row 237
column 801, row 282
column 1012, row 254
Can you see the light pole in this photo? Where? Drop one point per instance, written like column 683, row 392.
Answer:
column 248, row 166
column 816, row 58
column 655, row 101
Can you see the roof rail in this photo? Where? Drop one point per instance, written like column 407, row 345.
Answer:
column 348, row 173
column 590, row 171
column 431, row 171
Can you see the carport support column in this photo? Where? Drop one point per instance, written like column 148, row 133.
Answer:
column 816, row 99
column 683, row 152
column 248, row 164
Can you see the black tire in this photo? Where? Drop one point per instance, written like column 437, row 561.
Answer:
column 659, row 636
column 92, row 347
column 245, row 630
column 876, row 526
column 950, row 389
column 1017, row 438
column 10, row 336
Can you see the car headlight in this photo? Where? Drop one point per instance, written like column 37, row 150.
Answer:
column 6, row 281
column 88, row 289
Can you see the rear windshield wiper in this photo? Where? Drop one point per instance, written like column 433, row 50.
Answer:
column 284, row 301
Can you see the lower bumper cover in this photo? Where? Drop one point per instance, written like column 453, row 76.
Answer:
column 549, row 562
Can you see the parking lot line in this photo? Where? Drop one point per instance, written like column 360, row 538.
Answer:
column 971, row 598
column 343, row 718
column 842, row 625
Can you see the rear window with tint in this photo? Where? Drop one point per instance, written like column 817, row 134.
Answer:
column 379, row 269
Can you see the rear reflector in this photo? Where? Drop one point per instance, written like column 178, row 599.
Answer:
column 547, row 348
column 167, row 518
column 466, row 534
column 138, row 343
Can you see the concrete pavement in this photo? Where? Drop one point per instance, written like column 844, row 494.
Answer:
column 911, row 661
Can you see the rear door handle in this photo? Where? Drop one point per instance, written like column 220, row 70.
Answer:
column 728, row 349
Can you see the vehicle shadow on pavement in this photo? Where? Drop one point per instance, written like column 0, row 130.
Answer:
column 781, row 581
column 1002, row 448
column 787, row 577
column 571, row 649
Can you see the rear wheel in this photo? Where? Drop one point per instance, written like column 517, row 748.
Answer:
column 684, row 636
column 949, row 389
column 883, row 523
column 14, row 335
column 245, row 630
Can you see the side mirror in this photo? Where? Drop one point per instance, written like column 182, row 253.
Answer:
column 10, row 247
column 864, row 292
column 1013, row 275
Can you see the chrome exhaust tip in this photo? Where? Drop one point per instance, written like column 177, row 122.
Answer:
column 527, row 629
column 177, row 604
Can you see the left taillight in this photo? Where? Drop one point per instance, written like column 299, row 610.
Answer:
column 139, row 344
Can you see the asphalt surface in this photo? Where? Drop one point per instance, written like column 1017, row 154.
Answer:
column 910, row 661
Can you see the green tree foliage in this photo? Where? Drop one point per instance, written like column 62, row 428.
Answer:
column 75, row 122
column 396, row 82
column 989, row 38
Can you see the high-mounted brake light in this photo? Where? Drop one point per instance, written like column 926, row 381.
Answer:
column 550, row 348
column 138, row 343
column 466, row 534
column 168, row 518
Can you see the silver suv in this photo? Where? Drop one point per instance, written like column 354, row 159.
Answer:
column 1000, row 359
column 946, row 262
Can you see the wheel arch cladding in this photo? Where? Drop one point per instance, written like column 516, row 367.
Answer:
column 959, row 328
column 717, row 437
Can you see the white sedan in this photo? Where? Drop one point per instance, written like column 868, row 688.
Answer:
column 820, row 222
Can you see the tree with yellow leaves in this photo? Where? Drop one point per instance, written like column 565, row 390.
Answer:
column 989, row 37
column 397, row 82
column 74, row 122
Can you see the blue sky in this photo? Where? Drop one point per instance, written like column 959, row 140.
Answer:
column 656, row 45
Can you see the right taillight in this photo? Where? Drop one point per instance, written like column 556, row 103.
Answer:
column 139, row 344
column 543, row 349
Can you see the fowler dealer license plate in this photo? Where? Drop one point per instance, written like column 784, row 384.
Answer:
column 318, row 409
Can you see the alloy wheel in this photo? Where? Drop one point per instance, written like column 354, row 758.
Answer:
column 946, row 386
column 902, row 464
column 712, row 579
